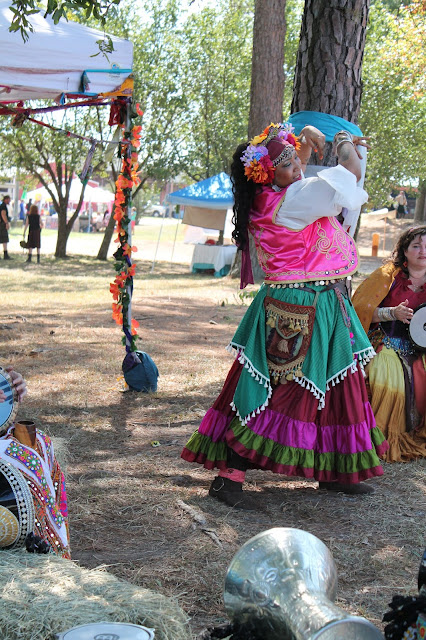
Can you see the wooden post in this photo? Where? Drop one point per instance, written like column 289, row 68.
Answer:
column 375, row 245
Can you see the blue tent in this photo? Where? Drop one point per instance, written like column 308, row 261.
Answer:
column 212, row 193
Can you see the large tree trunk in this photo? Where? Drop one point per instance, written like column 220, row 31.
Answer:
column 420, row 211
column 267, row 86
column 106, row 240
column 267, row 73
column 329, row 60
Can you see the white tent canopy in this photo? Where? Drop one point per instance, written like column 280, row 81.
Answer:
column 54, row 58
column 96, row 195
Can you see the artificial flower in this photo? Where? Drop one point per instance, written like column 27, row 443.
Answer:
column 253, row 153
column 115, row 290
column 261, row 172
column 258, row 139
column 134, row 325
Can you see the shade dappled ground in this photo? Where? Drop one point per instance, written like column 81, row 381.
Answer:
column 124, row 493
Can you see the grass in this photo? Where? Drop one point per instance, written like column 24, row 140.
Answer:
column 56, row 327
column 145, row 236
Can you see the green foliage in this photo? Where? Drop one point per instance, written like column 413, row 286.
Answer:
column 216, row 64
column 57, row 9
column 293, row 15
column 393, row 103
column 52, row 157
column 192, row 80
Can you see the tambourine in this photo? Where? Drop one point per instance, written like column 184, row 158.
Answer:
column 417, row 328
column 8, row 408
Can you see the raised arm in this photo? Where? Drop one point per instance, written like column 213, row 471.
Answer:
column 311, row 139
column 345, row 147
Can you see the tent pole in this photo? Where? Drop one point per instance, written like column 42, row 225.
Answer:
column 129, row 226
column 156, row 248
column 174, row 241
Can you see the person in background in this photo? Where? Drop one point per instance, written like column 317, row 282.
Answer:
column 4, row 225
column 22, row 211
column 401, row 201
column 385, row 303
column 35, row 225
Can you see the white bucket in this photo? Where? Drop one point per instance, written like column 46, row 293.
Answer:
column 108, row 631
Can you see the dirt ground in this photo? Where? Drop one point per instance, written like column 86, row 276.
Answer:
column 124, row 492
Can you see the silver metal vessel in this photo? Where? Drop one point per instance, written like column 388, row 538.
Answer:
column 282, row 584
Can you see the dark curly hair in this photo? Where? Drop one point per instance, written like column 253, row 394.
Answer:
column 244, row 193
column 398, row 255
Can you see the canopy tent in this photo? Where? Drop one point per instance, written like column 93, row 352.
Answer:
column 96, row 195
column 205, row 202
column 54, row 59
column 63, row 62
column 208, row 204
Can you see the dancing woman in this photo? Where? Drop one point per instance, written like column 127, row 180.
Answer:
column 295, row 400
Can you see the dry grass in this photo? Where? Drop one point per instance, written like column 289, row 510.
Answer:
column 43, row 596
column 124, row 493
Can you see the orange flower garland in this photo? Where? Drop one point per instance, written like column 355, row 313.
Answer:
column 121, row 287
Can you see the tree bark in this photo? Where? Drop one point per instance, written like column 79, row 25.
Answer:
column 420, row 210
column 267, row 74
column 63, row 233
column 329, row 60
column 106, row 240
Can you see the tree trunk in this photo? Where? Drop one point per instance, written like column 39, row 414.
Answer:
column 63, row 233
column 106, row 240
column 420, row 211
column 267, row 73
column 329, row 60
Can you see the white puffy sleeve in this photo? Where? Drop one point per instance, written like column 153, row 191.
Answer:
column 325, row 195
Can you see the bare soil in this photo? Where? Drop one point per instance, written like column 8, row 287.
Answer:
column 124, row 472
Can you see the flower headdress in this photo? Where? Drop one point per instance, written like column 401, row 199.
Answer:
column 256, row 159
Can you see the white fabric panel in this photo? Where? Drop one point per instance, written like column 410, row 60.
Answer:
column 52, row 61
column 207, row 218
column 217, row 255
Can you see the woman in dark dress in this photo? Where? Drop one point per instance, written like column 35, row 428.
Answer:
column 35, row 225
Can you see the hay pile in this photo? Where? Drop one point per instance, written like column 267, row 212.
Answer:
column 41, row 596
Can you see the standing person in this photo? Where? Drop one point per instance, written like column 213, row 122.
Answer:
column 22, row 211
column 401, row 201
column 29, row 203
column 397, row 375
column 4, row 225
column 295, row 400
column 35, row 225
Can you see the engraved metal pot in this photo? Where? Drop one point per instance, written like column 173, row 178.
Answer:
column 282, row 584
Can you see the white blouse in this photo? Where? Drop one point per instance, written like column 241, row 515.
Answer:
column 325, row 195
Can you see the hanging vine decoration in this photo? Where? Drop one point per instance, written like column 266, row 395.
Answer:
column 122, row 287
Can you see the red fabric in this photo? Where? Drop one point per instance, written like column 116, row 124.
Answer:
column 232, row 474
column 400, row 292
column 419, row 382
column 344, row 403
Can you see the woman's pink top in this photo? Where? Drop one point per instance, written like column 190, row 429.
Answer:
column 320, row 250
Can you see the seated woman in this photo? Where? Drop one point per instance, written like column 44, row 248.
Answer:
column 397, row 376
column 27, row 453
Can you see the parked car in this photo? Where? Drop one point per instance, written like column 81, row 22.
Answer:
column 156, row 210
